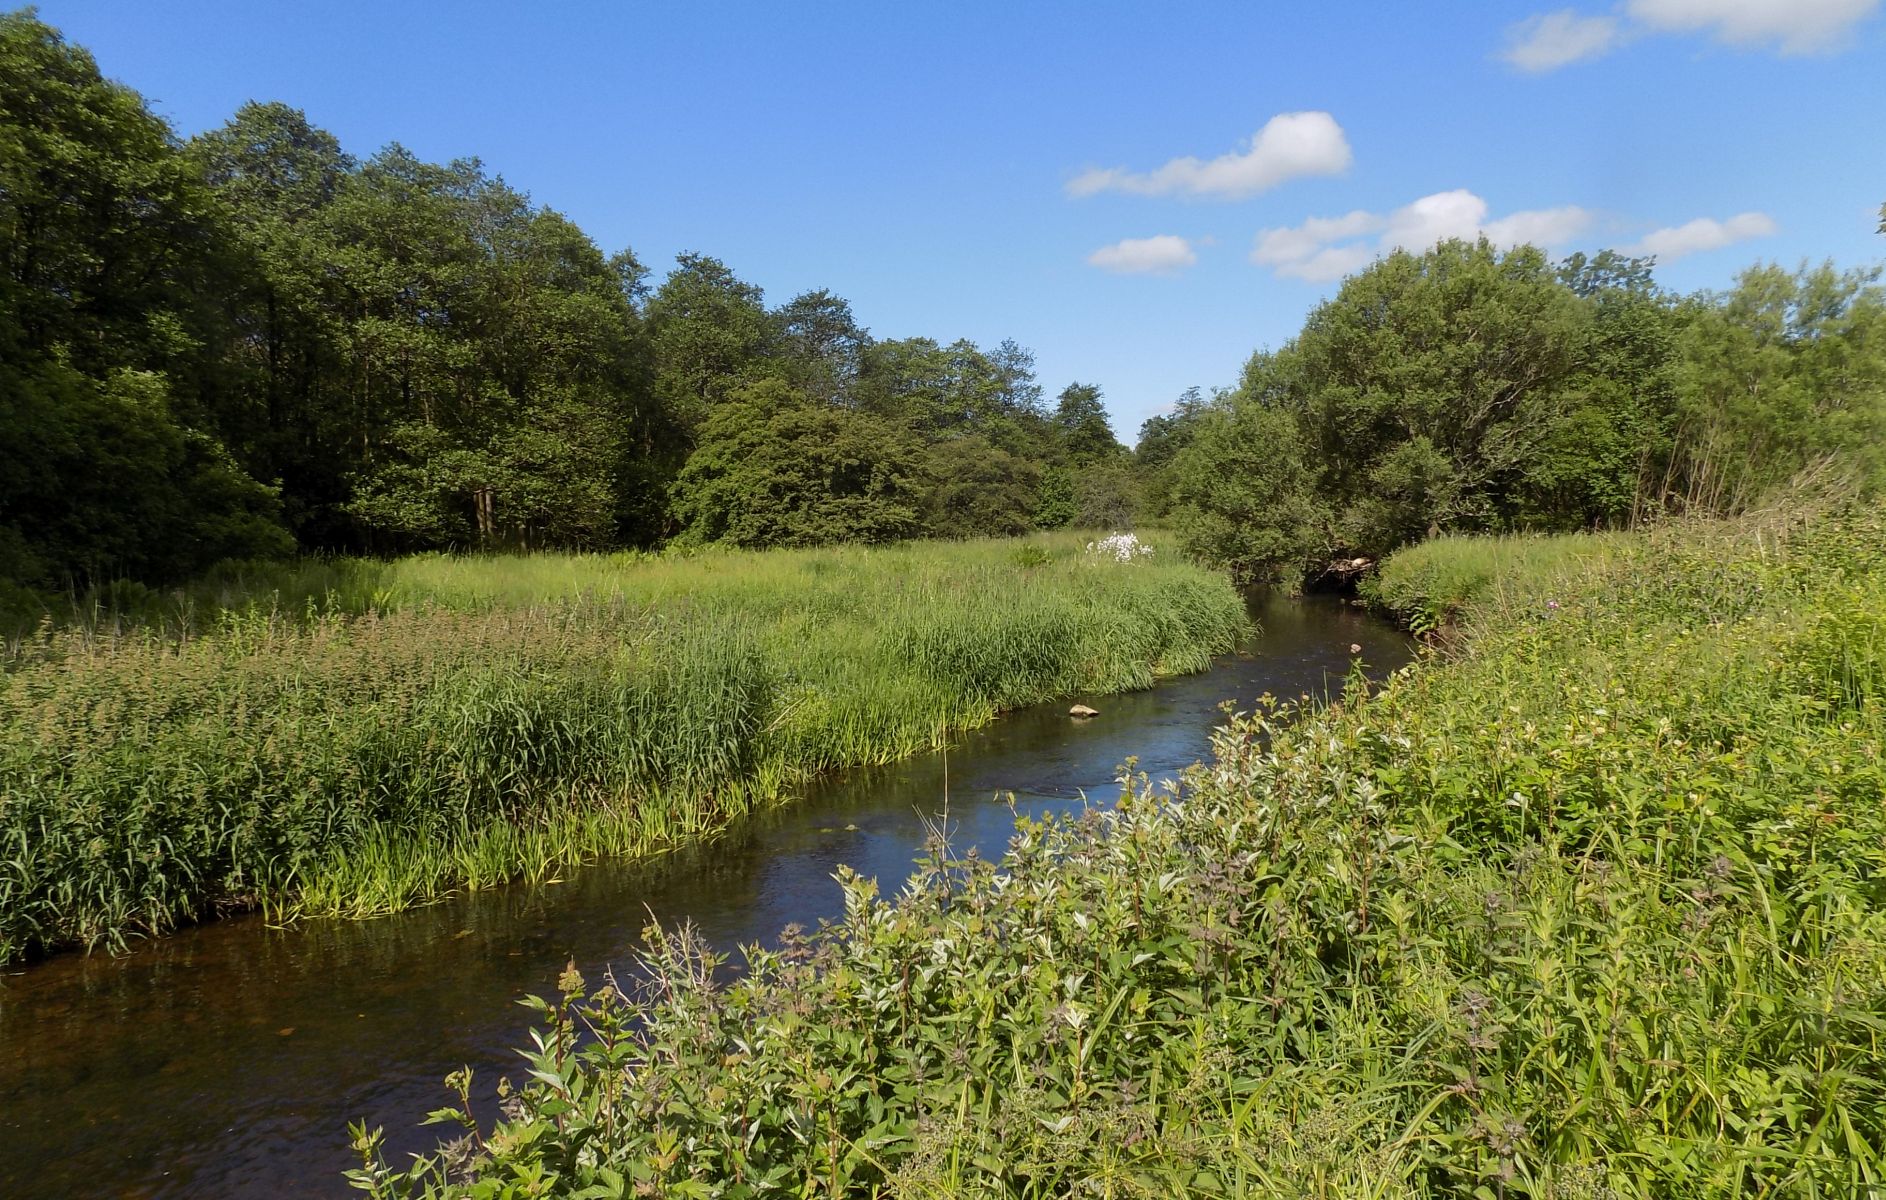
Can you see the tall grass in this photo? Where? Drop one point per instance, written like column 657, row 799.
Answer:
column 1430, row 585
column 478, row 720
column 1594, row 908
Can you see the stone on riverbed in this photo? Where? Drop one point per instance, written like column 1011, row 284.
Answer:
column 1081, row 710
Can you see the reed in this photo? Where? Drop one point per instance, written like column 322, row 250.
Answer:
column 346, row 738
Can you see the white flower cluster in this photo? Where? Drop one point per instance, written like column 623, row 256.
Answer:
column 1120, row 547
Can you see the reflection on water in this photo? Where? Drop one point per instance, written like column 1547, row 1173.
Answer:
column 227, row 1061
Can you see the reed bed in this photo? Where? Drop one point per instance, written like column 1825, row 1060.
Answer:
column 457, row 723
column 1595, row 907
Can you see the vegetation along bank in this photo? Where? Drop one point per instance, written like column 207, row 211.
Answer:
column 1593, row 907
column 436, row 723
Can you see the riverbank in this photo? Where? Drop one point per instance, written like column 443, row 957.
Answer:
column 275, row 1038
column 1591, row 908
column 456, row 723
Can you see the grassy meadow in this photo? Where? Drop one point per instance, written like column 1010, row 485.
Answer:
column 349, row 738
column 1595, row 907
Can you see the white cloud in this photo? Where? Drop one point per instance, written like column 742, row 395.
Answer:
column 1792, row 26
column 1431, row 219
column 1551, row 40
column 1540, row 227
column 1547, row 41
column 1290, row 146
column 1161, row 255
column 1327, row 248
column 1331, row 262
column 1277, row 247
column 1705, row 233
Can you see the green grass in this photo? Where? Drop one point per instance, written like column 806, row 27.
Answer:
column 1430, row 585
column 352, row 738
column 1595, row 906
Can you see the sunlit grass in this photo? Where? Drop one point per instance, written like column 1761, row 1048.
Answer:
column 350, row 738
column 1429, row 585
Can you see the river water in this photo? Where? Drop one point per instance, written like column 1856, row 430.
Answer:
column 227, row 1061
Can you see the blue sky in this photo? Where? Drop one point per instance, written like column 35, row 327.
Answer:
column 1017, row 170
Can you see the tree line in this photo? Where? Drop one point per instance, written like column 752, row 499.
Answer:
column 1469, row 389
column 251, row 342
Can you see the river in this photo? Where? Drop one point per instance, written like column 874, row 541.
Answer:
column 226, row 1061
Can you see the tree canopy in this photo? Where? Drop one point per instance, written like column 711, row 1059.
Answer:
column 255, row 340
column 1469, row 389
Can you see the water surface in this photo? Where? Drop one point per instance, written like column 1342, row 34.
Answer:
column 227, row 1061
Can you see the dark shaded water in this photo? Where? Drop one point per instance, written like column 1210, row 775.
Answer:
column 227, row 1061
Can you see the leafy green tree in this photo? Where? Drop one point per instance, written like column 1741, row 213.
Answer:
column 1163, row 435
column 112, row 328
column 823, row 346
column 1427, row 385
column 1784, row 369
column 1609, row 272
column 775, row 468
column 957, row 390
column 101, row 481
column 711, row 334
column 107, row 237
column 1080, row 418
column 1107, row 495
column 500, row 380
column 258, row 329
column 1602, row 462
column 974, row 489
column 1244, row 491
column 1161, row 438
column 276, row 175
column 1058, row 500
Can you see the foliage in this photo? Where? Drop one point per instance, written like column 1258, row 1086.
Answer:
column 772, row 468
column 257, row 332
column 1591, row 910
column 1242, row 493
column 1081, row 421
column 1465, row 390
column 114, row 424
column 710, row 333
column 974, row 489
column 1161, row 438
column 361, row 737
column 1784, row 369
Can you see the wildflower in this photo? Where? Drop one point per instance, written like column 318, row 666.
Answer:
column 1121, row 547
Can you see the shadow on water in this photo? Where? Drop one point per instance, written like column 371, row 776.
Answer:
column 227, row 1060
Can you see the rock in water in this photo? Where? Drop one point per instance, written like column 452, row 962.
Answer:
column 1081, row 710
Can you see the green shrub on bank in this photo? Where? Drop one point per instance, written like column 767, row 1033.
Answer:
column 1596, row 909
column 501, row 718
